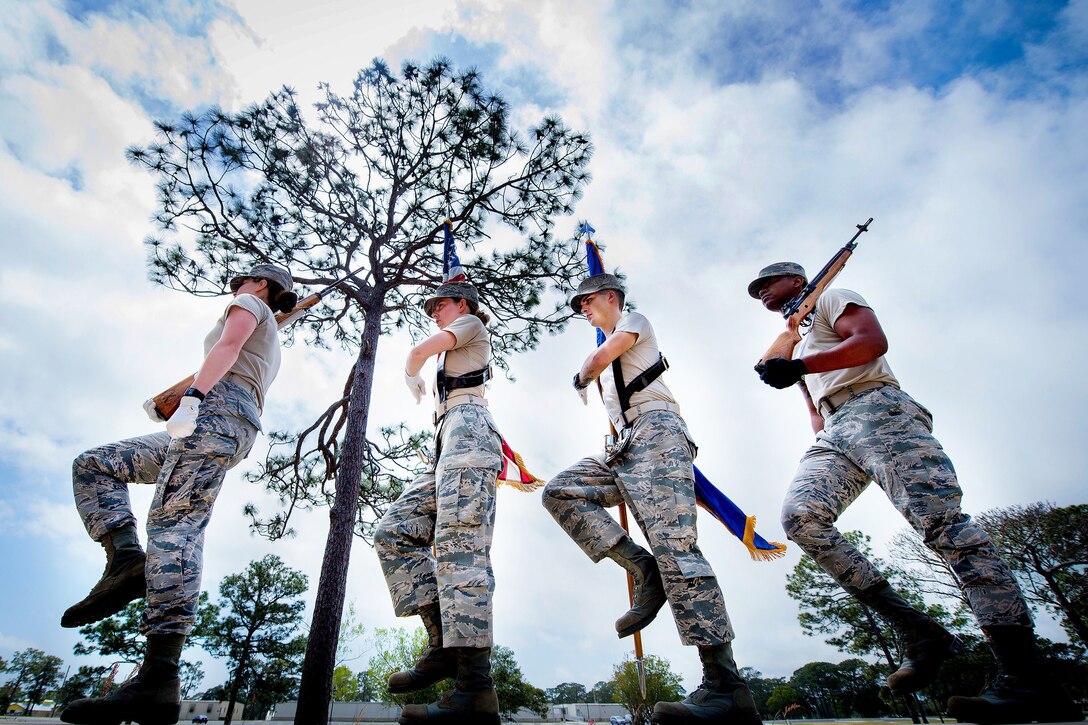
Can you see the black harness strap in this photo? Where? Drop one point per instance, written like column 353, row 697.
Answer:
column 625, row 390
column 446, row 383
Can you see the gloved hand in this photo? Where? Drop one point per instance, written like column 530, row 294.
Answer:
column 416, row 386
column 778, row 372
column 183, row 422
column 152, row 412
column 580, row 388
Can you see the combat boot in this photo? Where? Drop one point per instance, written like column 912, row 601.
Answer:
column 152, row 697
column 1019, row 693
column 436, row 663
column 472, row 702
column 122, row 580
column 723, row 697
column 649, row 594
column 927, row 644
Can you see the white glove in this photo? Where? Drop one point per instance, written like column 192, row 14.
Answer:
column 581, row 389
column 183, row 422
column 416, row 385
column 152, row 411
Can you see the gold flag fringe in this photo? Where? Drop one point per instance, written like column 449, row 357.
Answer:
column 524, row 487
column 757, row 554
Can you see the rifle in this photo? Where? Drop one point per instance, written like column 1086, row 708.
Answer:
column 801, row 306
column 168, row 400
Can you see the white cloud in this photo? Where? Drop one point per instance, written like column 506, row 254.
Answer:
column 973, row 265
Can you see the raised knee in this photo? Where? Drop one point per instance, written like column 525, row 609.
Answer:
column 801, row 524
column 549, row 497
column 85, row 461
column 385, row 535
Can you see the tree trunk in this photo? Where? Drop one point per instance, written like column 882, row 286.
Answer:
column 315, row 687
column 236, row 683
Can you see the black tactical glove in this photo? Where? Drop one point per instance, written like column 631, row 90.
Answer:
column 778, row 372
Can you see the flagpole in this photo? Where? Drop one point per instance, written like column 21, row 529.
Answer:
column 640, row 664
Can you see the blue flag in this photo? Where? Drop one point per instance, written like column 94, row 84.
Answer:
column 706, row 495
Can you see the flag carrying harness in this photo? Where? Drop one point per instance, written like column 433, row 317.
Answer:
column 641, row 381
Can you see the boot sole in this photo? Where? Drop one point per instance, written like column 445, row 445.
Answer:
column 97, row 606
column 162, row 714
column 642, row 623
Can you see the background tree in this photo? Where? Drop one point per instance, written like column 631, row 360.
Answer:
column 9, row 691
column 567, row 692
column 785, row 699
column 395, row 649
column 345, row 685
column 931, row 575
column 762, row 688
column 827, row 609
column 86, row 682
column 119, row 637
column 191, row 674
column 40, row 674
column 603, row 691
column 262, row 614
column 662, row 685
column 1047, row 548
column 274, row 679
column 217, row 693
column 364, row 188
column 510, row 685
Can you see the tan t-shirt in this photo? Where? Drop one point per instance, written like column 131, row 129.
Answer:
column 259, row 359
column 822, row 336
column 471, row 352
column 639, row 357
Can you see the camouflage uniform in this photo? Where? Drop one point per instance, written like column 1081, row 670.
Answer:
column 883, row 435
column 187, row 473
column 451, row 506
column 655, row 478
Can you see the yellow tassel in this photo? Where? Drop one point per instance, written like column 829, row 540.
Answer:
column 529, row 487
column 760, row 554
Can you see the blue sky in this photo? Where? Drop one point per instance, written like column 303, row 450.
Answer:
column 727, row 135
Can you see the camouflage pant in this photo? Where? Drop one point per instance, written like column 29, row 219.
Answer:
column 885, row 436
column 655, row 478
column 187, row 473
column 453, row 508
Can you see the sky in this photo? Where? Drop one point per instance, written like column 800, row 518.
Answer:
column 727, row 136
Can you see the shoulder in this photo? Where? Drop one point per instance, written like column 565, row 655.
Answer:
column 634, row 322
column 253, row 305
column 834, row 301
column 466, row 328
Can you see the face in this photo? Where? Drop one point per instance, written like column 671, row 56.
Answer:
column 775, row 292
column 251, row 286
column 446, row 310
column 600, row 308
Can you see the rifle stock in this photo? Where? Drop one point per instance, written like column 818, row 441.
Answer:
column 166, row 402
column 800, row 308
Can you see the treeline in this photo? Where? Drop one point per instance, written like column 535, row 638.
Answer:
column 256, row 623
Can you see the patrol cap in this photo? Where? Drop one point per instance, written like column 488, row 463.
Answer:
column 271, row 272
column 596, row 283
column 778, row 269
column 453, row 290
